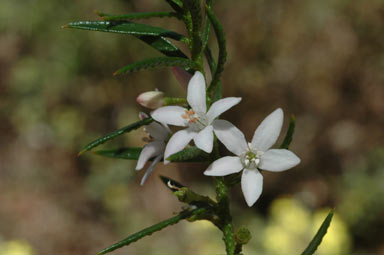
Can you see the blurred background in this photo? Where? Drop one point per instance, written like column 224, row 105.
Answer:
column 320, row 60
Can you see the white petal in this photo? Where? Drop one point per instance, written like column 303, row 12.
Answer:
column 224, row 166
column 204, row 139
column 230, row 136
column 278, row 160
column 251, row 185
column 178, row 141
column 170, row 115
column 196, row 93
column 268, row 131
column 150, row 150
column 157, row 131
column 221, row 106
column 150, row 169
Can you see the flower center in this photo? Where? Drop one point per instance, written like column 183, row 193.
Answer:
column 196, row 120
column 251, row 158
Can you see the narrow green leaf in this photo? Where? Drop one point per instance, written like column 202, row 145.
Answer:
column 190, row 154
column 177, row 5
column 125, row 27
column 316, row 241
column 138, row 15
column 171, row 184
column 154, row 228
column 115, row 134
column 207, row 29
column 288, row 137
column 156, row 37
column 215, row 92
column 121, row 153
column 218, row 28
column 156, row 62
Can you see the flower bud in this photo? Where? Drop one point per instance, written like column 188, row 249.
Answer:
column 151, row 99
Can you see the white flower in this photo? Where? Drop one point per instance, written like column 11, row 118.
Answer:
column 158, row 134
column 198, row 121
column 251, row 156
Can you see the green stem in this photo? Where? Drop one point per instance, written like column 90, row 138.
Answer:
column 225, row 216
column 174, row 100
column 194, row 8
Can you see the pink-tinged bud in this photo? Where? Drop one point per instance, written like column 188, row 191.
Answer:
column 181, row 76
column 143, row 115
column 151, row 99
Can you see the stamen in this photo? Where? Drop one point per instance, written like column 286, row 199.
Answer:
column 251, row 158
column 190, row 116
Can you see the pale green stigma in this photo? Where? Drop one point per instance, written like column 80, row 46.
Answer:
column 251, row 158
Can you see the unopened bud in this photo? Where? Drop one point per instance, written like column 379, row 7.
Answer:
column 243, row 235
column 151, row 99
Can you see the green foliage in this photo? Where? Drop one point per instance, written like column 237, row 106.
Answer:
column 154, row 228
column 289, row 136
column 156, row 62
column 153, row 36
column 176, row 5
column 218, row 28
column 138, row 15
column 171, row 184
column 124, row 27
column 194, row 8
column 121, row 153
column 316, row 241
column 115, row 134
column 190, row 154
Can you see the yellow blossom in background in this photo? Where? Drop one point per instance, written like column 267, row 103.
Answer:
column 292, row 226
column 16, row 247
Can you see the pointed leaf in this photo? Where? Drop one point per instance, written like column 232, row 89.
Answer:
column 190, row 154
column 215, row 92
column 154, row 228
column 121, row 153
column 316, row 241
column 116, row 133
column 156, row 62
column 288, row 137
column 218, row 28
column 176, row 5
column 138, row 15
column 124, row 27
column 207, row 29
column 171, row 184
column 153, row 36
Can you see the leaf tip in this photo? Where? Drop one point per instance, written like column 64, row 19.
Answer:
column 81, row 153
column 65, row 26
column 116, row 73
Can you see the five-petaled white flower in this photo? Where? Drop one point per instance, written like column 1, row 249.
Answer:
column 198, row 121
column 158, row 134
column 251, row 156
